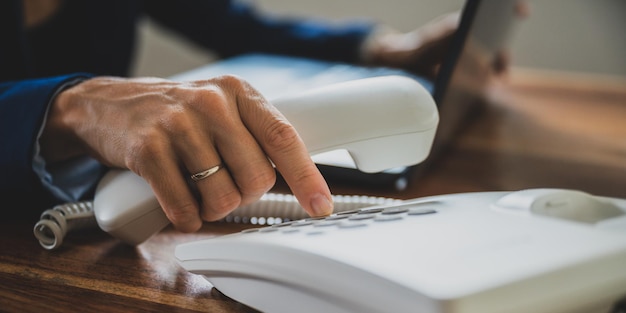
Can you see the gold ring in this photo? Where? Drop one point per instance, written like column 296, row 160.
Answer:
column 206, row 173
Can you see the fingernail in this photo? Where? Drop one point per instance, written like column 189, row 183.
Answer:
column 321, row 205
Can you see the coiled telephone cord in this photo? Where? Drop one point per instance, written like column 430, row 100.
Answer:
column 272, row 208
column 56, row 222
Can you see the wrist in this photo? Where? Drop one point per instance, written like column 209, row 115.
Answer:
column 58, row 139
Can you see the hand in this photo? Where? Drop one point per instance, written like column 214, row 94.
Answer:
column 164, row 131
column 423, row 50
column 420, row 51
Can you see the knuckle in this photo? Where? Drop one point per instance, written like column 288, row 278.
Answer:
column 176, row 123
column 258, row 183
column 281, row 136
column 305, row 174
column 231, row 81
column 212, row 102
column 208, row 96
column 197, row 95
column 240, row 88
column 145, row 150
column 184, row 217
column 154, row 140
column 220, row 205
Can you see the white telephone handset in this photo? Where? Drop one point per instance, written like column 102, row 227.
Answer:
column 383, row 122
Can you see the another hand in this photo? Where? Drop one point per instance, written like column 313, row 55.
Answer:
column 423, row 50
column 420, row 51
column 164, row 131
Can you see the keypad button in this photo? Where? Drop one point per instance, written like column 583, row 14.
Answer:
column 370, row 211
column 350, row 212
column 360, row 217
column 268, row 230
column 421, row 211
column 386, row 218
column 326, row 223
column 313, row 233
column 282, row 224
column 396, row 210
column 354, row 224
column 315, row 218
column 336, row 217
column 302, row 223
column 290, row 231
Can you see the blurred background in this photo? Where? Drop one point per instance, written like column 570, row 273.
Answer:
column 587, row 36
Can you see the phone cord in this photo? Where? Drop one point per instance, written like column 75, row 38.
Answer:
column 56, row 222
column 272, row 208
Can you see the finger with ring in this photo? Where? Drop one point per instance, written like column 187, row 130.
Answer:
column 206, row 173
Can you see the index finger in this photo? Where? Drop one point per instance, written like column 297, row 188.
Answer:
column 282, row 144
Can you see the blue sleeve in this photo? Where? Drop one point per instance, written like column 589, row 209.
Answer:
column 23, row 108
column 231, row 27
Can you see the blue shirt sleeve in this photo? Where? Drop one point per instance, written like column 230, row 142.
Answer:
column 234, row 27
column 25, row 177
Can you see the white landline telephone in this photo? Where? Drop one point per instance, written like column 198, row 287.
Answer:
column 534, row 250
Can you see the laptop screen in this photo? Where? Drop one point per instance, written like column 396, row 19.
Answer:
column 484, row 32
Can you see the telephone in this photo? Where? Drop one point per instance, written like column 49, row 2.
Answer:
column 383, row 122
column 533, row 250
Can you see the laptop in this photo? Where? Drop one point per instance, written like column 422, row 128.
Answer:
column 485, row 28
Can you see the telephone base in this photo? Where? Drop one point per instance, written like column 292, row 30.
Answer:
column 466, row 253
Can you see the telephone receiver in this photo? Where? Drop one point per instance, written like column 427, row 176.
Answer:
column 383, row 122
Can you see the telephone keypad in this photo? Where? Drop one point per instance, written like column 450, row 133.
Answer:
column 350, row 219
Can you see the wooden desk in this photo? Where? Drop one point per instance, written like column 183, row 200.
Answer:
column 542, row 130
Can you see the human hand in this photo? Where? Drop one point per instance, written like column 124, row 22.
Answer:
column 164, row 131
column 420, row 51
column 423, row 50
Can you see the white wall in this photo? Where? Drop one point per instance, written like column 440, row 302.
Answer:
column 571, row 35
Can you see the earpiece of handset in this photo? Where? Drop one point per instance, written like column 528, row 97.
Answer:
column 383, row 122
